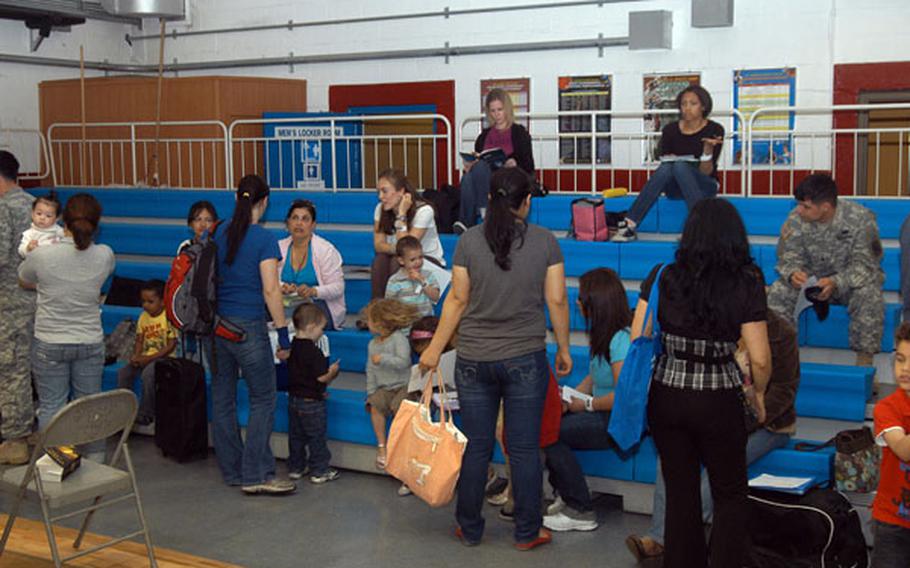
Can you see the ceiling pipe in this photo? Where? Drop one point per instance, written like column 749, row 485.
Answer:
column 447, row 51
column 444, row 13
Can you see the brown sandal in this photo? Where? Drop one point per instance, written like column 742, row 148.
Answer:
column 638, row 548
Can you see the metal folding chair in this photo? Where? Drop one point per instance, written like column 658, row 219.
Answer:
column 86, row 420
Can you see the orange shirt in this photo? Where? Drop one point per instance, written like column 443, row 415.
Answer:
column 892, row 502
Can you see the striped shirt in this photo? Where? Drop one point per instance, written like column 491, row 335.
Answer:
column 697, row 364
column 407, row 291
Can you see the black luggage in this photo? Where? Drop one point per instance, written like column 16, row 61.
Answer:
column 181, row 422
column 820, row 529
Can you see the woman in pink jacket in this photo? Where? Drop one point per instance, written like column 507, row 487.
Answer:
column 310, row 266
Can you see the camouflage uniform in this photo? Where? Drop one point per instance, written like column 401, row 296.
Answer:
column 848, row 250
column 17, row 314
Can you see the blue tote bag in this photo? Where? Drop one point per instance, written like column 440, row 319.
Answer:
column 628, row 419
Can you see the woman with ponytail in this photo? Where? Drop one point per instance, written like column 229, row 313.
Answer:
column 68, row 348
column 504, row 272
column 248, row 284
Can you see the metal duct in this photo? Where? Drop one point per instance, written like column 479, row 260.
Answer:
column 75, row 8
column 166, row 9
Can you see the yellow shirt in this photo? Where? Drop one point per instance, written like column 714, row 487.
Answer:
column 155, row 332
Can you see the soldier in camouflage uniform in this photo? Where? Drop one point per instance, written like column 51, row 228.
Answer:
column 17, row 313
column 837, row 241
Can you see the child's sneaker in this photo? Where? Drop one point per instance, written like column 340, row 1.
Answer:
column 295, row 475
column 330, row 474
column 624, row 232
column 404, row 490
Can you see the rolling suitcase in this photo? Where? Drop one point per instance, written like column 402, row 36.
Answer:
column 181, row 422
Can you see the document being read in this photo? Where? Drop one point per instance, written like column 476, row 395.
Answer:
column 802, row 302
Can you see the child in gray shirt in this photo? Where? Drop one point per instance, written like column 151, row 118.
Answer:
column 388, row 364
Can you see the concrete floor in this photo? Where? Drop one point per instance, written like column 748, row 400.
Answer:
column 358, row 520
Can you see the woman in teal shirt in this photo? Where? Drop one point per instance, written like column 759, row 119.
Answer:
column 310, row 269
column 603, row 302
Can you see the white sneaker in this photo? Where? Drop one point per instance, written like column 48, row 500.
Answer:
column 556, row 506
column 404, row 490
column 625, row 233
column 569, row 520
column 331, row 474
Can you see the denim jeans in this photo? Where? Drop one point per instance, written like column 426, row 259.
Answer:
column 905, row 268
column 126, row 376
column 307, row 432
column 760, row 443
column 475, row 191
column 676, row 179
column 521, row 384
column 891, row 547
column 249, row 461
column 64, row 372
column 577, row 431
column 692, row 428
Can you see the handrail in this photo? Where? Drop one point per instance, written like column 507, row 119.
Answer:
column 46, row 169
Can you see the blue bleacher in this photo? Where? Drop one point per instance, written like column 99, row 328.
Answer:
column 827, row 391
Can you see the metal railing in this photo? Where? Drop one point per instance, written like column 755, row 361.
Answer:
column 342, row 152
column 347, row 152
column 829, row 139
column 624, row 152
column 31, row 150
column 189, row 154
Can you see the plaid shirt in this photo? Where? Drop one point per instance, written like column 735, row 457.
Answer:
column 697, row 364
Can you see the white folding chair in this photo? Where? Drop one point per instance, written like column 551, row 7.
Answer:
column 88, row 419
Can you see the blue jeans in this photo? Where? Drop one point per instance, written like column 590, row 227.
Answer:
column 521, row 383
column 307, row 432
column 759, row 443
column 676, row 179
column 892, row 546
column 251, row 461
column 577, row 431
column 475, row 191
column 64, row 372
column 905, row 268
column 126, row 376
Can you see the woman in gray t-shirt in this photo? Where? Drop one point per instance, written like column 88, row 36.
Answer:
column 68, row 354
column 505, row 271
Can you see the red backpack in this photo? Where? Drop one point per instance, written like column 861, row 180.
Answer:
column 190, row 295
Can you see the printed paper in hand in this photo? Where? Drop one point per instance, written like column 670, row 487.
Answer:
column 568, row 393
column 802, row 302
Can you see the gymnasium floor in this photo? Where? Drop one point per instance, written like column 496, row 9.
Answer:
column 356, row 521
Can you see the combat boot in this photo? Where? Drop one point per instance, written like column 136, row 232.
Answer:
column 14, row 452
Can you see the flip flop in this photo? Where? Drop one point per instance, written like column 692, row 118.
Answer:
column 545, row 537
column 636, row 546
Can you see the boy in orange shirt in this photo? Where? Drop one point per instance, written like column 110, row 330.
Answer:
column 891, row 508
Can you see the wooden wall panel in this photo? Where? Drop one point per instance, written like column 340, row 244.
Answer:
column 109, row 160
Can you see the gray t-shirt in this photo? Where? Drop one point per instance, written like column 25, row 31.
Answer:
column 394, row 368
column 69, row 290
column 505, row 314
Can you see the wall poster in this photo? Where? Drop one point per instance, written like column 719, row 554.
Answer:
column 660, row 91
column 587, row 93
column 758, row 88
column 518, row 89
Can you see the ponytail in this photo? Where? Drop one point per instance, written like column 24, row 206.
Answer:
column 81, row 217
column 509, row 188
column 250, row 192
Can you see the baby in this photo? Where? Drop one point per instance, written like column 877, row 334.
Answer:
column 44, row 229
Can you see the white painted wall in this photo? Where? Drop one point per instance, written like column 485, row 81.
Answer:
column 811, row 35
column 19, row 83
